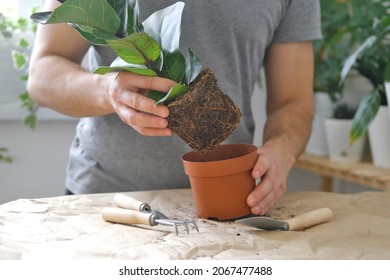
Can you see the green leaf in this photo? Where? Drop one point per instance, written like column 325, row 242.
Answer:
column 366, row 112
column 173, row 93
column 40, row 17
column 351, row 60
column 31, row 121
column 387, row 73
column 138, row 48
column 20, row 60
column 133, row 23
column 136, row 70
column 193, row 66
column 89, row 36
column 174, row 66
column 164, row 27
column 24, row 78
column 4, row 157
column 159, row 63
column 27, row 102
column 155, row 95
column 94, row 36
column 97, row 14
column 121, row 9
column 24, row 43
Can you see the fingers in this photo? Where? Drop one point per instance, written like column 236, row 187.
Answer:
column 271, row 187
column 139, row 102
column 260, row 167
column 144, row 124
column 265, row 195
column 134, row 108
column 145, row 82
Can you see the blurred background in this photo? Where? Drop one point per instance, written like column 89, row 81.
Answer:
column 34, row 141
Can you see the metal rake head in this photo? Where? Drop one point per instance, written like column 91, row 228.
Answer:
column 177, row 223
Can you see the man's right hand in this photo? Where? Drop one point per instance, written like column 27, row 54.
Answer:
column 126, row 95
column 71, row 90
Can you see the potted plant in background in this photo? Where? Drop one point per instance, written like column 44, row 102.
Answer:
column 329, row 55
column 370, row 60
column 16, row 38
column 337, row 136
column 387, row 86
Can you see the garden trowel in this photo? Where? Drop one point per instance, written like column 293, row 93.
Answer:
column 299, row 222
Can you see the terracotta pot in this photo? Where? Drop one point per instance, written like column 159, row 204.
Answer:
column 221, row 180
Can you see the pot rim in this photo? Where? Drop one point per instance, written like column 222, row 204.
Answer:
column 216, row 168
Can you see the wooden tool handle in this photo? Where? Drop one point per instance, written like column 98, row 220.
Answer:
column 129, row 202
column 309, row 219
column 125, row 216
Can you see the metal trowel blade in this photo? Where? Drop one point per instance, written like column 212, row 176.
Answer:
column 263, row 223
column 299, row 222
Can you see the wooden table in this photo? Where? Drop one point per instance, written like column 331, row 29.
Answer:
column 364, row 173
column 71, row 227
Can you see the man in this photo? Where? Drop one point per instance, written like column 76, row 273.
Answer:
column 112, row 151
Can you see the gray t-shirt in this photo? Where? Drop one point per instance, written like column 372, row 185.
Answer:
column 231, row 37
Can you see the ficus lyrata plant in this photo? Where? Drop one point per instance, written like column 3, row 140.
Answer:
column 149, row 48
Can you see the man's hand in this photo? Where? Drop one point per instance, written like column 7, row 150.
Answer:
column 272, row 168
column 126, row 95
column 290, row 109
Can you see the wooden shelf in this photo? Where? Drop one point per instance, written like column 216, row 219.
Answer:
column 364, row 173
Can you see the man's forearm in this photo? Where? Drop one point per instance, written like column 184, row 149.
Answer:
column 290, row 126
column 64, row 86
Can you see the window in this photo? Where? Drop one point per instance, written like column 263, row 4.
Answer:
column 19, row 7
column 9, row 7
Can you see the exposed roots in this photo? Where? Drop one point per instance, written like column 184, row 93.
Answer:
column 204, row 116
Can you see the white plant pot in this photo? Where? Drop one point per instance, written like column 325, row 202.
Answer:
column 379, row 136
column 387, row 85
column 337, row 136
column 323, row 109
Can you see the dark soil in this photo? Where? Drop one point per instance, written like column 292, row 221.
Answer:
column 204, row 116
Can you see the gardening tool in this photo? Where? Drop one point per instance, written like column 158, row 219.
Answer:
column 133, row 211
column 299, row 222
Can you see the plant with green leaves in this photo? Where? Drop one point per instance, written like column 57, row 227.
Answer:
column 370, row 59
column 387, row 76
column 344, row 111
column 149, row 48
column 9, row 27
column 331, row 51
column 152, row 48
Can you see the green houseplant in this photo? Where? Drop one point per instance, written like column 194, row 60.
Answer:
column 12, row 32
column 354, row 37
column 331, row 51
column 329, row 55
column 151, row 48
column 370, row 60
column 13, row 29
